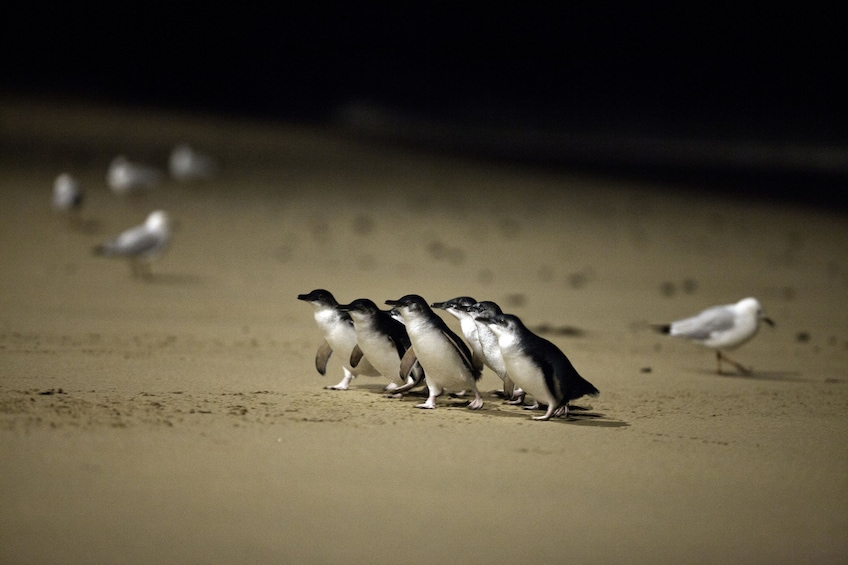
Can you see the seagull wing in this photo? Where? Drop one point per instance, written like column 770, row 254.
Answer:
column 702, row 326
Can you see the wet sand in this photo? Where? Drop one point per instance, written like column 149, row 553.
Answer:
column 182, row 419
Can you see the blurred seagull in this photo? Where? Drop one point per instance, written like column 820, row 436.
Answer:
column 140, row 244
column 722, row 328
column 126, row 177
column 67, row 197
column 186, row 164
column 67, row 193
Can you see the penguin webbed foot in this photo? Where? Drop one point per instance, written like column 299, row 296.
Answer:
column 476, row 403
column 534, row 406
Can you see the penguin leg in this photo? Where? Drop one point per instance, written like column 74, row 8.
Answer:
column 562, row 411
column 344, row 383
column 534, row 406
column 508, row 388
column 517, row 397
column 430, row 403
column 477, row 403
column 547, row 415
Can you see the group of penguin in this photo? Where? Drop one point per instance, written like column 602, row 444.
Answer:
column 411, row 345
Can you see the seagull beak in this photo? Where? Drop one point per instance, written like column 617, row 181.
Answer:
column 768, row 320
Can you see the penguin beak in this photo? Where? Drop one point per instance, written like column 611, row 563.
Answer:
column 393, row 302
column 344, row 307
column 442, row 305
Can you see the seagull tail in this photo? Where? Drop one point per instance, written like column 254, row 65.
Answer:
column 662, row 328
column 103, row 249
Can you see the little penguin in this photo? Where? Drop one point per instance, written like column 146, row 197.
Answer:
column 443, row 355
column 339, row 337
column 458, row 308
column 490, row 349
column 538, row 366
column 383, row 341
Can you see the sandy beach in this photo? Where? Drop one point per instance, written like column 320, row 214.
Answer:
column 181, row 419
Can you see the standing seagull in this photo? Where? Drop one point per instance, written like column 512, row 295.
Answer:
column 443, row 355
column 126, row 177
column 67, row 197
column 339, row 337
column 383, row 341
column 538, row 366
column 186, row 163
column 722, row 328
column 141, row 244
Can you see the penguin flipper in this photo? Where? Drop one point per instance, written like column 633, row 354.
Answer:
column 323, row 355
column 408, row 361
column 477, row 361
column 465, row 354
column 355, row 356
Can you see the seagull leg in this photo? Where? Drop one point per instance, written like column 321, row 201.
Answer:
column 741, row 368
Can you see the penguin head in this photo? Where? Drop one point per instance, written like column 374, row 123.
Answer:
column 485, row 309
column 319, row 297
column 360, row 305
column 502, row 324
column 460, row 303
column 411, row 303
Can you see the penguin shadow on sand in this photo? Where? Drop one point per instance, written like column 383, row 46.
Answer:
column 577, row 414
column 495, row 406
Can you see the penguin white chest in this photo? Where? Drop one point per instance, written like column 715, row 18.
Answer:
column 441, row 362
column 382, row 354
column 525, row 373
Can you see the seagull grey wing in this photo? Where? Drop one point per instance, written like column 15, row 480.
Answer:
column 322, row 356
column 355, row 355
column 702, row 326
column 133, row 242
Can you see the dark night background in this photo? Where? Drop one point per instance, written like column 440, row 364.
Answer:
column 576, row 87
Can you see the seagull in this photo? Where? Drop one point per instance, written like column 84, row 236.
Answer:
column 126, row 177
column 186, row 163
column 722, row 328
column 67, row 193
column 140, row 244
column 67, row 197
